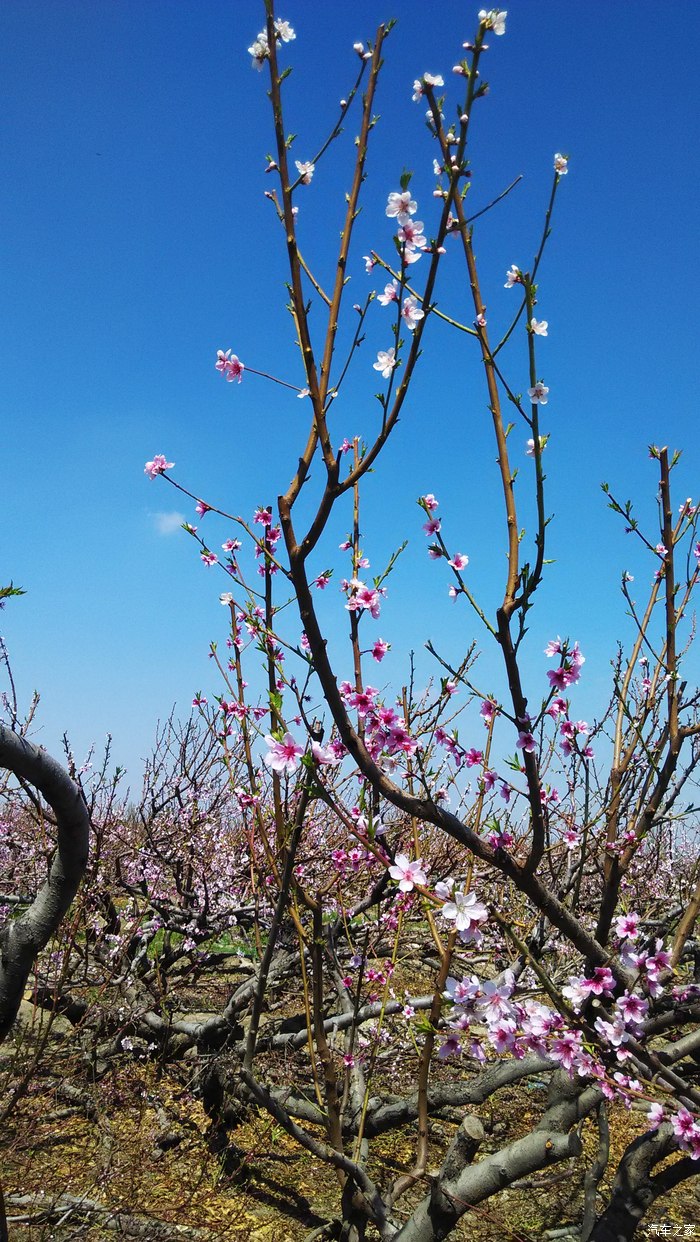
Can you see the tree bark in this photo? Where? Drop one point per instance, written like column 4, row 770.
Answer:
column 23, row 938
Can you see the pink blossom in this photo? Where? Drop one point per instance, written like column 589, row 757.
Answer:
column 390, row 294
column 459, row 991
column 558, row 707
column 683, row 1123
column 632, row 1009
column 627, row 926
column 501, row 840
column 561, row 164
column 451, row 1047
column 488, row 710
column 600, row 983
column 229, row 365
column 209, row 558
column 494, row 1002
column 407, row 873
column 567, row 1049
column 158, row 466
column 658, row 962
column 380, row 649
column 370, row 263
column 283, row 756
column 364, row 597
column 401, row 204
column 361, row 700
column 513, row 277
column 502, row 1035
column 459, row 561
column 559, row 678
column 539, row 327
column 306, row 171
column 411, row 234
column 410, row 256
column 386, row 361
column 466, row 912
column 323, row 756
column 411, row 313
column 429, row 502
column 526, row 743
column 431, row 527
column 539, row 395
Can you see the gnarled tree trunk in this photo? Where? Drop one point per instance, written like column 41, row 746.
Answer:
column 23, row 938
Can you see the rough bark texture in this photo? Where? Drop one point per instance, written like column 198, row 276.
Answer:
column 23, row 938
column 635, row 1189
column 436, row 1216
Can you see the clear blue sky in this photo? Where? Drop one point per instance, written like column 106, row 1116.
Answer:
column 136, row 241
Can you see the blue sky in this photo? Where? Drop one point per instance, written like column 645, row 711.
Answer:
column 136, row 241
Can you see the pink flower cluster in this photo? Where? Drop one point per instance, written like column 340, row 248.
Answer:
column 401, row 207
column 386, row 734
column 158, row 466
column 361, row 597
column 518, row 1027
column 572, row 661
column 229, row 365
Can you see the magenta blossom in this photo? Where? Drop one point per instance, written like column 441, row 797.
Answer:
column 526, row 743
column 380, row 649
column 627, row 926
column 229, row 365
column 158, row 466
column 600, row 983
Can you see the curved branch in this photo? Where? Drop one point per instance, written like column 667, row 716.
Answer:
column 23, row 938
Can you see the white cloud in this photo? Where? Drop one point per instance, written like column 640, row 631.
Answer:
column 168, row 523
